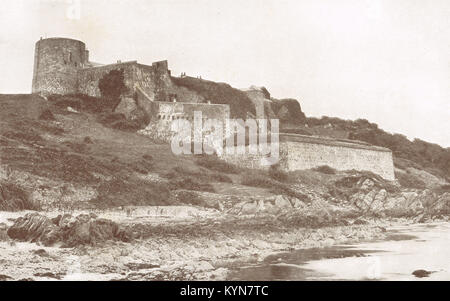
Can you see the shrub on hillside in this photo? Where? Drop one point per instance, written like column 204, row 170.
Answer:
column 147, row 157
column 442, row 188
column 190, row 184
column 76, row 147
column 83, row 103
column 66, row 101
column 142, row 166
column 325, row 169
column 216, row 164
column 221, row 178
column 310, row 219
column 296, row 131
column 87, row 140
column 255, row 179
column 409, row 181
column 277, row 174
column 118, row 121
column 15, row 198
column 27, row 136
column 112, row 86
column 200, row 175
column 262, row 180
column 191, row 198
column 123, row 191
column 47, row 115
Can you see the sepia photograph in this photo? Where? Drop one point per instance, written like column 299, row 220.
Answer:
column 211, row 141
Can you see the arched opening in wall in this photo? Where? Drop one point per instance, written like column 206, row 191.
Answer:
column 159, row 117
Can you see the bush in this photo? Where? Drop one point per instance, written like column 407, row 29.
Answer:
column 122, row 191
column 148, row 157
column 221, row 178
column 216, row 164
column 200, row 175
column 82, row 102
column 15, row 198
column 277, row 174
column 88, row 140
column 254, row 179
column 190, row 184
column 409, row 181
column 76, row 147
column 311, row 219
column 261, row 180
column 325, row 169
column 112, row 86
column 28, row 136
column 142, row 166
column 47, row 115
column 296, row 131
column 191, row 198
column 442, row 188
column 118, row 121
column 66, row 101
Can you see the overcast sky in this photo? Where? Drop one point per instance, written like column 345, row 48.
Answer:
column 384, row 60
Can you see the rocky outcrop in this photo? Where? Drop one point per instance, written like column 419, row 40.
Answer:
column 286, row 110
column 373, row 198
column 274, row 204
column 352, row 196
column 66, row 230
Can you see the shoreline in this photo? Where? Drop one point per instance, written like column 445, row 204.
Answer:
column 197, row 249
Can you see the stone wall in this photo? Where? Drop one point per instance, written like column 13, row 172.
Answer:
column 61, row 66
column 177, row 110
column 162, row 115
column 153, row 80
column 254, row 161
column 56, row 62
column 305, row 152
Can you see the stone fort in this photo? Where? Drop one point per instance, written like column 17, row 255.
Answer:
column 62, row 66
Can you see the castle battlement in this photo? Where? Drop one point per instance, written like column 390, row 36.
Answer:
column 62, row 66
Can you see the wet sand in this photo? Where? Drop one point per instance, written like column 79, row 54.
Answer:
column 405, row 250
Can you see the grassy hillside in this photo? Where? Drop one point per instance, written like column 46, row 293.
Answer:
column 47, row 148
column 73, row 151
column 417, row 154
column 219, row 93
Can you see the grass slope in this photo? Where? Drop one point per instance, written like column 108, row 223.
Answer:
column 43, row 138
column 219, row 93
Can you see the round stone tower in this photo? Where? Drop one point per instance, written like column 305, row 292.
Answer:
column 56, row 62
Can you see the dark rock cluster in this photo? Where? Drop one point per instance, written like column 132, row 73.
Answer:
column 66, row 230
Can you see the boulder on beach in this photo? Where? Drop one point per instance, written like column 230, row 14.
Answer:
column 66, row 229
column 422, row 273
